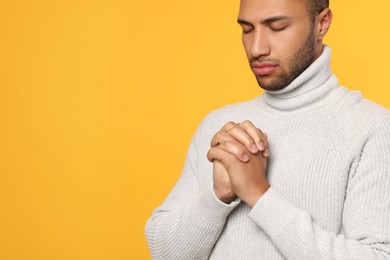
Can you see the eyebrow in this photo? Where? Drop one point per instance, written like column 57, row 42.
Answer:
column 266, row 21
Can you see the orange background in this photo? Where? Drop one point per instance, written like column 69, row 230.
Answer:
column 99, row 101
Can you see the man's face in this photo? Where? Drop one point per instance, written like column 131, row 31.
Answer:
column 278, row 38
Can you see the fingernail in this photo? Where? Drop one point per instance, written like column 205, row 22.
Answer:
column 254, row 148
column 266, row 153
column 246, row 158
column 262, row 147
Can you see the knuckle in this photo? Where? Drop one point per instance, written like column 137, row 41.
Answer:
column 229, row 126
column 218, row 138
column 222, row 134
column 247, row 124
column 209, row 156
column 212, row 142
column 229, row 144
column 217, row 135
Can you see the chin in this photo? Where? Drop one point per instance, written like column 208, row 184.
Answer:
column 272, row 85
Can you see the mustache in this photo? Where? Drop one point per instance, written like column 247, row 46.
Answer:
column 263, row 59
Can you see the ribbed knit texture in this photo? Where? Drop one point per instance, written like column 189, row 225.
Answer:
column 329, row 172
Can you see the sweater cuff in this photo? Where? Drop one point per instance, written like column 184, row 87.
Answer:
column 273, row 213
column 212, row 209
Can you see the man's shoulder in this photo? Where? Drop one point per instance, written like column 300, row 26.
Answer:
column 369, row 112
column 360, row 119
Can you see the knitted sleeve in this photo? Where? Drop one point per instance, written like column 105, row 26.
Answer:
column 190, row 220
column 366, row 217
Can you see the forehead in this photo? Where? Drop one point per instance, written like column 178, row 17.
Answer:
column 257, row 10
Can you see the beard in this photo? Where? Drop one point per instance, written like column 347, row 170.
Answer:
column 300, row 61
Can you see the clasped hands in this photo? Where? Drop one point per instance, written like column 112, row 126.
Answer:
column 239, row 153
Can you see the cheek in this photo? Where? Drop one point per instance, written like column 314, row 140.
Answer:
column 285, row 46
column 282, row 50
column 246, row 42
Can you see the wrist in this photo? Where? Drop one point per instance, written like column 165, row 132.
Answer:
column 257, row 195
column 225, row 196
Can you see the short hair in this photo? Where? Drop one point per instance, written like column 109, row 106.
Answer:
column 314, row 7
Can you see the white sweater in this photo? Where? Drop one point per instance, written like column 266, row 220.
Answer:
column 329, row 172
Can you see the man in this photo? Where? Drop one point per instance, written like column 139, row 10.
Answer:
column 316, row 186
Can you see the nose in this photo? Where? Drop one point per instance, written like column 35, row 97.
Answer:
column 260, row 44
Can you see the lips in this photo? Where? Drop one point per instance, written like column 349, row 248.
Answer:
column 264, row 68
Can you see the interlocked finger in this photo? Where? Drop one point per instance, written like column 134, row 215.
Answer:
column 226, row 142
column 256, row 134
column 220, row 137
column 228, row 126
column 249, row 136
column 222, row 153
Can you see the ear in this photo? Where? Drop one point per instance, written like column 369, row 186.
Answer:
column 323, row 21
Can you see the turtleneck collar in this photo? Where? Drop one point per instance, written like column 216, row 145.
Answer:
column 313, row 88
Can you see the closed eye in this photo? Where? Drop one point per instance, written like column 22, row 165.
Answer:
column 247, row 31
column 277, row 29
